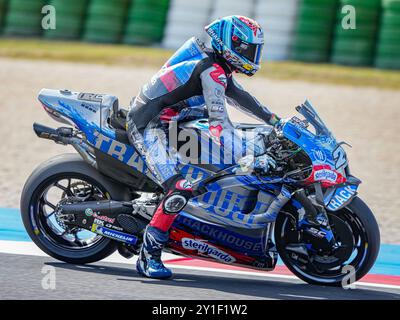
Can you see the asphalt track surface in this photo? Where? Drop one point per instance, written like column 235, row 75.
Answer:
column 22, row 277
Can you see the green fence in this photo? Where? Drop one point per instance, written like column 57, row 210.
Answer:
column 24, row 17
column 356, row 46
column 105, row 20
column 312, row 41
column 3, row 9
column 388, row 49
column 322, row 31
column 146, row 21
column 69, row 19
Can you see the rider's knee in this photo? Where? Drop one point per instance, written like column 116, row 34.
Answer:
column 174, row 203
column 179, row 192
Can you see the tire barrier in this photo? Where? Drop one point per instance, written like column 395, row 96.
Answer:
column 70, row 19
column 222, row 8
column 105, row 21
column 303, row 30
column 388, row 48
column 146, row 21
column 186, row 19
column 3, row 9
column 314, row 29
column 278, row 20
column 356, row 46
column 24, row 18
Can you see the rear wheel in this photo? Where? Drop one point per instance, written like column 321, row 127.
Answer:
column 66, row 178
column 358, row 240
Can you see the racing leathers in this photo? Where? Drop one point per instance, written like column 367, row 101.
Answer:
column 192, row 77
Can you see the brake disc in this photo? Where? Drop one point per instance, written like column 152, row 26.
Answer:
column 345, row 244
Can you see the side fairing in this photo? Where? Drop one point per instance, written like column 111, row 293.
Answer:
column 232, row 201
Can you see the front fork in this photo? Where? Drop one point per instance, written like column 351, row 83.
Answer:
column 313, row 222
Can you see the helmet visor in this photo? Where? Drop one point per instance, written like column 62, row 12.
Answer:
column 250, row 51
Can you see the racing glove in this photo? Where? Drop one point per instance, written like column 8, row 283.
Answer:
column 274, row 120
column 261, row 164
column 264, row 163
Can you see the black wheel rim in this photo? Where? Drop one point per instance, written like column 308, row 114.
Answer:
column 43, row 211
column 310, row 271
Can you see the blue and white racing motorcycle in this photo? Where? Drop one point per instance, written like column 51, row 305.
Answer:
column 80, row 208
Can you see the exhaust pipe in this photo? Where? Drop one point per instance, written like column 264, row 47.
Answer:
column 45, row 132
column 65, row 136
column 114, row 215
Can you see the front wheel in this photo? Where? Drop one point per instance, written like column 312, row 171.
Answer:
column 358, row 241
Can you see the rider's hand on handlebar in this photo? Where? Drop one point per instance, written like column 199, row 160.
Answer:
column 274, row 120
column 261, row 164
column 264, row 163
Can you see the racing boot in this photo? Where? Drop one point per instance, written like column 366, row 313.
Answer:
column 149, row 263
column 156, row 234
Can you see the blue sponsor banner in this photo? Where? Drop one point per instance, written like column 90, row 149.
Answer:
column 341, row 197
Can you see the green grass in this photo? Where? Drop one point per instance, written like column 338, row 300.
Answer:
column 154, row 57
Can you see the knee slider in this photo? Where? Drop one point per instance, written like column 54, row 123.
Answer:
column 174, row 203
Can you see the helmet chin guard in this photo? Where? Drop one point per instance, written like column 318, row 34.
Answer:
column 239, row 40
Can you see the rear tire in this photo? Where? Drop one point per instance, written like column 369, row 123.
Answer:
column 65, row 166
column 369, row 246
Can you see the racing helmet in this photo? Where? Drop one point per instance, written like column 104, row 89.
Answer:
column 239, row 40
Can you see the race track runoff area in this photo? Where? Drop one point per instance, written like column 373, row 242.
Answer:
column 22, row 265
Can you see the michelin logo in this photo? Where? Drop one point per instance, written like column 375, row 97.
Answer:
column 120, row 236
column 203, row 247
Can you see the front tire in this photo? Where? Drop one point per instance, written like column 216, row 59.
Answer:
column 356, row 222
column 35, row 203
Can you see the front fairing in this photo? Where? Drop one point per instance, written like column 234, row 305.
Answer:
column 320, row 149
column 329, row 160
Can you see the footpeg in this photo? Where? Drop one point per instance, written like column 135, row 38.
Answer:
column 127, row 252
column 128, row 223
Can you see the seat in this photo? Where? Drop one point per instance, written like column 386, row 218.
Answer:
column 118, row 117
column 117, row 121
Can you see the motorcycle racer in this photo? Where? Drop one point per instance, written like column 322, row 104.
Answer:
column 193, row 76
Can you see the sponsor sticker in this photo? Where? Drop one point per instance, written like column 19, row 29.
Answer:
column 99, row 222
column 90, row 213
column 218, row 93
column 342, row 197
column 319, row 156
column 93, row 97
column 326, row 175
column 183, row 185
column 247, row 66
column 113, row 234
column 210, row 250
column 90, row 107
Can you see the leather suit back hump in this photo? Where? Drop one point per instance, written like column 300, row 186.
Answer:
column 177, row 71
column 176, row 83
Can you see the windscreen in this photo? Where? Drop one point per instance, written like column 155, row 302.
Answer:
column 311, row 115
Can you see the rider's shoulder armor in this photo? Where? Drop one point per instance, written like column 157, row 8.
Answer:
column 177, row 70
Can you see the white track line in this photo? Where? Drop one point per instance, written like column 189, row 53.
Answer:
column 29, row 248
